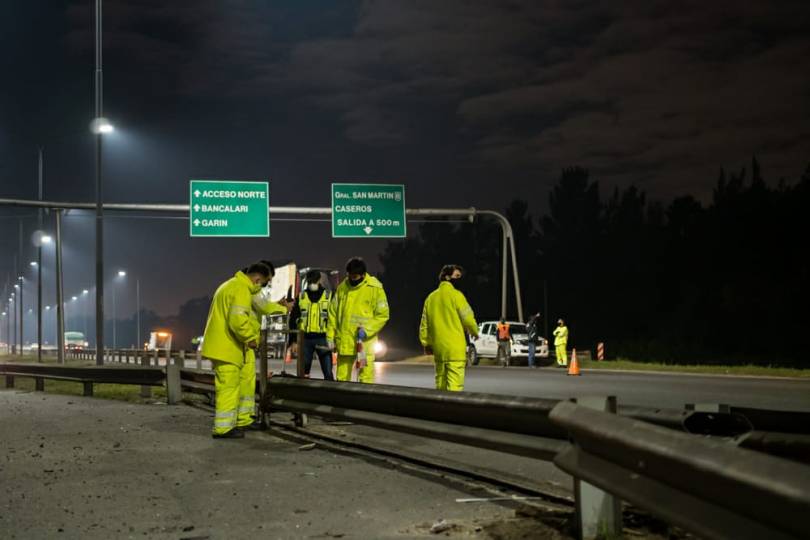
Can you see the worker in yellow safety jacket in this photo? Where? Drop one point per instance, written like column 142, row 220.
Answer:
column 231, row 334
column 446, row 317
column 311, row 316
column 357, row 313
column 561, row 342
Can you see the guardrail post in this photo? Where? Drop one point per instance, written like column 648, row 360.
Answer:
column 199, row 356
column 146, row 391
column 182, row 358
column 9, row 381
column 599, row 514
column 39, row 384
column 88, row 389
column 156, row 356
column 174, row 392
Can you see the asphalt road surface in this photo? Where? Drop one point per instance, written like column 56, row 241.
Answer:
column 631, row 388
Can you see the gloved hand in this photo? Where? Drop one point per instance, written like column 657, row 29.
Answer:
column 330, row 344
column 361, row 333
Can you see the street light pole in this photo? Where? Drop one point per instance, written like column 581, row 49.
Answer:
column 60, row 301
column 99, row 207
column 39, row 261
column 138, row 312
column 20, row 280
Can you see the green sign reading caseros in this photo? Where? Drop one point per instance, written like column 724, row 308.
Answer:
column 368, row 211
column 229, row 208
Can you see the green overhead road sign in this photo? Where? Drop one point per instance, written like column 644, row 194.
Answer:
column 228, row 208
column 368, row 211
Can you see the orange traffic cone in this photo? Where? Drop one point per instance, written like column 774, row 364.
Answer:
column 573, row 367
column 288, row 356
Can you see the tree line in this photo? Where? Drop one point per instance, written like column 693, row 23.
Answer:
column 724, row 281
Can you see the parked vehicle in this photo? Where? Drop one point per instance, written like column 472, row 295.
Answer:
column 486, row 345
column 74, row 341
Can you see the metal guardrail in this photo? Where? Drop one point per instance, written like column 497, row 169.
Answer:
column 669, row 472
column 701, row 484
column 142, row 376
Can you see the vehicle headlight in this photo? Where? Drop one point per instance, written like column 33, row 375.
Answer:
column 380, row 348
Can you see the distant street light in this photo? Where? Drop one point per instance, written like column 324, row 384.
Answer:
column 33, row 263
column 85, row 291
column 122, row 273
column 46, row 239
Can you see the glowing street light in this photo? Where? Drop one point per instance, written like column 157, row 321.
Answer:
column 84, row 291
column 122, row 273
column 33, row 263
column 101, row 126
column 46, row 239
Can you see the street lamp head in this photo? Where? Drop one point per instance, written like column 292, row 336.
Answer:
column 101, row 126
column 33, row 263
column 47, row 308
column 85, row 291
column 46, row 239
column 74, row 298
column 16, row 285
column 122, row 273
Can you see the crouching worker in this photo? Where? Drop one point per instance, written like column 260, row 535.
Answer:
column 231, row 336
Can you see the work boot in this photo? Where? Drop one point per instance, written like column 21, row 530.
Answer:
column 235, row 433
column 255, row 426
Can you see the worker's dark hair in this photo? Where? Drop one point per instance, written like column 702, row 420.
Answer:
column 356, row 265
column 313, row 276
column 448, row 269
column 259, row 268
column 269, row 265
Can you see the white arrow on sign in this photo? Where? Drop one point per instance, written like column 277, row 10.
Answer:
column 197, row 193
column 368, row 229
column 196, row 207
column 196, row 222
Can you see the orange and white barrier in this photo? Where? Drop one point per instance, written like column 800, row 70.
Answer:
column 600, row 351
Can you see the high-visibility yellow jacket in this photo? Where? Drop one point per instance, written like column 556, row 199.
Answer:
column 351, row 307
column 314, row 316
column 231, row 324
column 561, row 335
column 445, row 317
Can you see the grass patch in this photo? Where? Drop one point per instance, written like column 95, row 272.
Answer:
column 120, row 392
column 748, row 369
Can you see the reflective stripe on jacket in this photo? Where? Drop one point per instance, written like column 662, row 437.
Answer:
column 445, row 316
column 364, row 305
column 231, row 324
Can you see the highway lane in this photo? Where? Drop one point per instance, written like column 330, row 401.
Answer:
column 647, row 389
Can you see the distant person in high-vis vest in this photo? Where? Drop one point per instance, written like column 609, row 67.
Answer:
column 561, row 342
column 357, row 313
column 504, row 337
column 231, row 335
column 446, row 318
column 311, row 316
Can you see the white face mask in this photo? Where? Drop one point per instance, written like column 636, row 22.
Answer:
column 313, row 287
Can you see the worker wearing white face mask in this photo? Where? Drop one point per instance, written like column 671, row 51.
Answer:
column 310, row 316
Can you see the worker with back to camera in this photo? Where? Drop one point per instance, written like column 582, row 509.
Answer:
column 357, row 312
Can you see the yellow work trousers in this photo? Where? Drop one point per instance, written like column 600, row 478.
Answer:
column 450, row 375
column 345, row 367
column 562, row 359
column 236, row 394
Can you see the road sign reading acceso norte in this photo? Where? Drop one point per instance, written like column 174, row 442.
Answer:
column 228, row 208
column 368, row 211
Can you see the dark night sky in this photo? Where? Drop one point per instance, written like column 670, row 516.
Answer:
column 467, row 103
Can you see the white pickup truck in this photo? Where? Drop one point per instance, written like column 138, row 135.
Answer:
column 486, row 345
